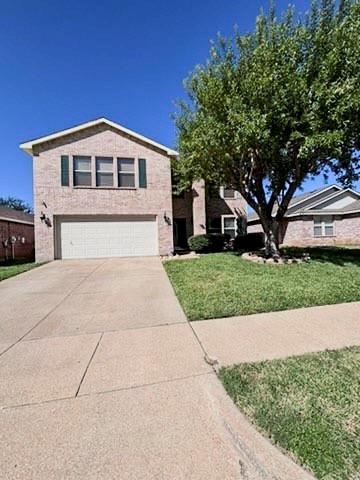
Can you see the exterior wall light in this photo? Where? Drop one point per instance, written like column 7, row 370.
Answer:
column 167, row 219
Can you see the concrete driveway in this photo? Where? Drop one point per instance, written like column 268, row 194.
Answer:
column 103, row 378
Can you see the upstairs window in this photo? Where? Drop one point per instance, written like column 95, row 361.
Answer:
column 229, row 193
column 82, row 171
column 104, row 172
column 324, row 226
column 126, row 172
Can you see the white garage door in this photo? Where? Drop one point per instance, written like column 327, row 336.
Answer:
column 99, row 237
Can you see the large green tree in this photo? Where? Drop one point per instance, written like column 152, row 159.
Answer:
column 274, row 107
column 15, row 203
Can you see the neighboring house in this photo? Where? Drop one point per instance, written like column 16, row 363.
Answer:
column 327, row 216
column 16, row 234
column 101, row 190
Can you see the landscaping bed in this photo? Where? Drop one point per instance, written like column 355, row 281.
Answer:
column 308, row 405
column 10, row 269
column 224, row 284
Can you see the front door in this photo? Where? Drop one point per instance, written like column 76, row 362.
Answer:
column 180, row 236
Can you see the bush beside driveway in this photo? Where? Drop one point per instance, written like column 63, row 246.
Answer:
column 224, row 284
column 309, row 405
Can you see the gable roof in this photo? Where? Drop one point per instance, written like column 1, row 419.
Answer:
column 16, row 216
column 355, row 206
column 303, row 198
column 28, row 146
column 307, row 203
column 332, row 198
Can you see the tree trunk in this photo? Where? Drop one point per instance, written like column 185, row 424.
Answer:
column 271, row 230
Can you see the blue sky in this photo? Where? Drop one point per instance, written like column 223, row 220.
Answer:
column 63, row 63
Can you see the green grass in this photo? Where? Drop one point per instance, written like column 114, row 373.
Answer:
column 308, row 405
column 10, row 269
column 223, row 284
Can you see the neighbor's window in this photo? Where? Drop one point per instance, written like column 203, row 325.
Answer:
column 126, row 172
column 82, row 171
column 104, row 172
column 229, row 226
column 323, row 226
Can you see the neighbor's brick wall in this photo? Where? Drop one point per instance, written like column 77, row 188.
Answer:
column 9, row 229
column 347, row 229
column 299, row 232
column 98, row 141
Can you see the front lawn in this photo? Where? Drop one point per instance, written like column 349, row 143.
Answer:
column 309, row 405
column 223, row 284
column 10, row 269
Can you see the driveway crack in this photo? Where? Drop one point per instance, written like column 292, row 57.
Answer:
column 88, row 365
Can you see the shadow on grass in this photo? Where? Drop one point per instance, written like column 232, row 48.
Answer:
column 341, row 256
column 16, row 261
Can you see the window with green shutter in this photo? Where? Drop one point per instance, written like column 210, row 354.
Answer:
column 142, row 173
column 65, row 170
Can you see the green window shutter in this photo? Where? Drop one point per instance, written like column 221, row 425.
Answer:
column 64, row 170
column 142, row 173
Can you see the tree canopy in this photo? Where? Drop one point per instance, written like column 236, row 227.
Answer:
column 274, row 107
column 15, row 203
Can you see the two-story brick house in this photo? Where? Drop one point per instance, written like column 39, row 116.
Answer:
column 101, row 190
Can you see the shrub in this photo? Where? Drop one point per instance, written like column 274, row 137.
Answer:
column 251, row 241
column 209, row 242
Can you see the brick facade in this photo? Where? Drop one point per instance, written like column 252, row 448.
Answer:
column 299, row 231
column 200, row 209
column 183, row 208
column 51, row 199
column 217, row 206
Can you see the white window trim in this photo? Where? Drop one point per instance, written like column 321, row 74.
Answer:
column 222, row 193
column 93, row 171
column 322, row 225
column 135, row 172
column 108, row 172
column 223, row 229
column 74, row 171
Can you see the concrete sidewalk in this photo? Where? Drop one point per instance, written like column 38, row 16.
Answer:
column 102, row 377
column 264, row 336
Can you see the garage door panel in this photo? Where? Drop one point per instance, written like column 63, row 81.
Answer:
column 90, row 238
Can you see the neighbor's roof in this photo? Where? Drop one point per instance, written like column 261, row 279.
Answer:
column 355, row 206
column 16, row 216
column 28, row 146
column 307, row 202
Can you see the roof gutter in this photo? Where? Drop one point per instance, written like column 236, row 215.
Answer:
column 16, row 220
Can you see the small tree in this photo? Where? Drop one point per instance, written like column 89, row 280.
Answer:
column 274, row 107
column 15, row 203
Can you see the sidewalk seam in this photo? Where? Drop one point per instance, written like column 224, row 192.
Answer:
column 52, row 310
